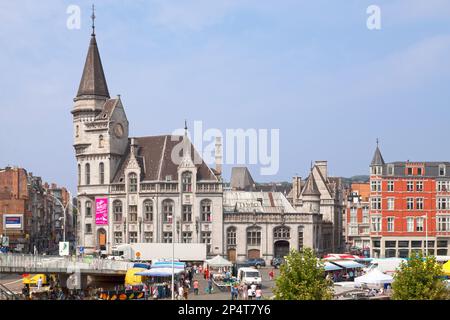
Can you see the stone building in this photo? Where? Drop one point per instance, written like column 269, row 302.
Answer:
column 322, row 195
column 137, row 189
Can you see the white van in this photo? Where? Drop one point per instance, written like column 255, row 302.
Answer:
column 249, row 276
column 387, row 265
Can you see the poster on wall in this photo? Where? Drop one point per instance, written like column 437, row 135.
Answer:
column 101, row 211
column 12, row 221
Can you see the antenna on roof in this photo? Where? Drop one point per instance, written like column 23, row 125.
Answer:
column 377, row 142
column 93, row 20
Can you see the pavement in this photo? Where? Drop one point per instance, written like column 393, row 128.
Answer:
column 12, row 281
column 267, row 286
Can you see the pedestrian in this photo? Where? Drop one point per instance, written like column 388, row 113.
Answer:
column 271, row 275
column 195, row 287
column 209, row 286
column 244, row 291
column 249, row 294
column 185, row 293
column 258, row 293
column 39, row 283
column 180, row 292
column 253, row 287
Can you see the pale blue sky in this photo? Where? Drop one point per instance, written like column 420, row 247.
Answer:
column 309, row 68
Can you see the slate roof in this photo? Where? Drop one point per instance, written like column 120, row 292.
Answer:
column 241, row 179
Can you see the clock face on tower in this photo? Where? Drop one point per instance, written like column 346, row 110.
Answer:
column 118, row 130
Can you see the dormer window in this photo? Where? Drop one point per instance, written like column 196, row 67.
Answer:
column 377, row 170
column 419, row 171
column 442, row 170
column 390, row 170
column 409, row 171
column 168, row 178
column 187, row 181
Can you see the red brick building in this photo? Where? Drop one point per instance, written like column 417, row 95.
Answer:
column 409, row 207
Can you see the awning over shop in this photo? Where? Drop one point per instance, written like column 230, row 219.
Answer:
column 160, row 272
column 331, row 267
column 168, row 264
column 348, row 264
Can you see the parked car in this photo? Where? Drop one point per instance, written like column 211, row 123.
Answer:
column 277, row 262
column 257, row 263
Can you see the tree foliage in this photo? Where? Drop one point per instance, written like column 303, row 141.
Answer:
column 419, row 279
column 302, row 278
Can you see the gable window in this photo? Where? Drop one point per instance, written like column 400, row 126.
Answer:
column 101, row 169
column 117, row 210
column 148, row 210
column 187, row 181
column 87, row 173
column 132, row 182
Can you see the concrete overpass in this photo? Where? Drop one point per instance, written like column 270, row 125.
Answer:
column 99, row 270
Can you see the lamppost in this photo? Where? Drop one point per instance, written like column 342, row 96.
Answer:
column 173, row 255
column 426, row 233
column 64, row 211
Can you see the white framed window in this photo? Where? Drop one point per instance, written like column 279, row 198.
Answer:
column 419, row 224
column 353, row 215
column 376, row 224
column 443, row 223
column 365, row 214
column 133, row 237
column 410, row 224
column 118, row 237
column 390, row 224
column 410, row 203
column 375, row 203
column 390, row 203
column 442, row 203
column 419, row 186
column 442, row 170
column 443, row 186
column 148, row 236
column 390, row 169
column 419, row 204
column 390, row 185
column 410, row 186
column 375, row 185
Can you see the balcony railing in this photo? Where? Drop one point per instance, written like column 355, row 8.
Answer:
column 117, row 188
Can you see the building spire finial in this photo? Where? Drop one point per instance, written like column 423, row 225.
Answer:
column 185, row 127
column 378, row 141
column 93, row 20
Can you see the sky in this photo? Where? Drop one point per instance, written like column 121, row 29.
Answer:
column 311, row 69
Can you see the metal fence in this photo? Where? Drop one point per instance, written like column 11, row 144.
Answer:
column 29, row 261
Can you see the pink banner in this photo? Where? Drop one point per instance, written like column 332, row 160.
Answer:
column 101, row 211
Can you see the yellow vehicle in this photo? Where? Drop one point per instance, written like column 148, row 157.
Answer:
column 32, row 280
column 131, row 278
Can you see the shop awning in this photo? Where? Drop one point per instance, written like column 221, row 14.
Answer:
column 168, row 264
column 331, row 267
column 348, row 264
column 446, row 268
column 159, row 272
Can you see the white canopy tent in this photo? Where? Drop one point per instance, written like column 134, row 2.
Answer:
column 375, row 277
column 218, row 262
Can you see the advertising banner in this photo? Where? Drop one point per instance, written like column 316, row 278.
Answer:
column 63, row 248
column 101, row 211
column 12, row 221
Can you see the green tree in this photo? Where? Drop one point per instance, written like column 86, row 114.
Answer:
column 419, row 279
column 302, row 278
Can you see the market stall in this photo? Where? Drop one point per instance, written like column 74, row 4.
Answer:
column 374, row 277
column 220, row 270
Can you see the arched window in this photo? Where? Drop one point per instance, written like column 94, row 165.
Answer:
column 254, row 236
column 231, row 236
column 167, row 211
column 77, row 131
column 281, row 233
column 79, row 174
column 117, row 210
column 88, row 211
column 100, row 141
column 101, row 169
column 87, row 173
column 132, row 182
column 205, row 206
column 186, row 178
column 148, row 210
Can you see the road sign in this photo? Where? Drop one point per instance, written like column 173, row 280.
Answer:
column 63, row 248
column 81, row 249
column 138, row 255
column 5, row 241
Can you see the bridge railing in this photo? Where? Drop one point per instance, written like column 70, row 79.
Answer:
column 37, row 261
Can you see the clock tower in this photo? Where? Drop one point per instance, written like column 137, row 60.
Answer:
column 100, row 140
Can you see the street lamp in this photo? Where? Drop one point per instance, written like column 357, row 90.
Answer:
column 173, row 256
column 426, row 233
column 64, row 211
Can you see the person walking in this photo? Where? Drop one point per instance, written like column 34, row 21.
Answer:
column 258, row 293
column 210, row 286
column 186, row 293
column 244, row 291
column 195, row 284
column 249, row 293
column 271, row 275
column 180, row 292
column 39, row 283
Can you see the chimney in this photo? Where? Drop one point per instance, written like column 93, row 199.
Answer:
column 133, row 145
column 218, row 154
column 322, row 165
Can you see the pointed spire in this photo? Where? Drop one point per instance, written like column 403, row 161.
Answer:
column 310, row 188
column 186, row 161
column 377, row 159
column 93, row 82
